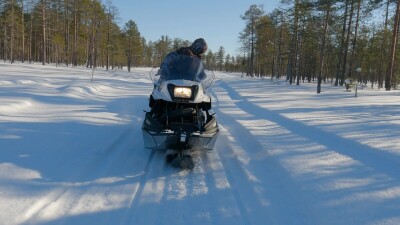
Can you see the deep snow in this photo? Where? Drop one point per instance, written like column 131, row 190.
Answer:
column 71, row 152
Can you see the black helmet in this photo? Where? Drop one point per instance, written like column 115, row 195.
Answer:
column 199, row 46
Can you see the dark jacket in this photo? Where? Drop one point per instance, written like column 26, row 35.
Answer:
column 186, row 51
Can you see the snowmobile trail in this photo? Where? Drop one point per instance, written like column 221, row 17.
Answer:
column 137, row 192
column 114, row 155
column 64, row 200
column 292, row 172
column 378, row 160
column 177, row 196
column 264, row 190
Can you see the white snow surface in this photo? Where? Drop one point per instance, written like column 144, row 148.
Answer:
column 71, row 152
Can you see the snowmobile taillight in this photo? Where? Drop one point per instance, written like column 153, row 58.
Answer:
column 182, row 92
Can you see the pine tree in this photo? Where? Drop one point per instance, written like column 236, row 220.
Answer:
column 248, row 35
column 389, row 74
column 220, row 57
column 133, row 39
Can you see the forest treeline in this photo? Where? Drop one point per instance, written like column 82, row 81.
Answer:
column 301, row 40
column 75, row 32
column 324, row 41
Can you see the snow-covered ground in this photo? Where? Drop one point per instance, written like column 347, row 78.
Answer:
column 71, row 152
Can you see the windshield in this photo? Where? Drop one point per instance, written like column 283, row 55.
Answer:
column 182, row 67
column 179, row 66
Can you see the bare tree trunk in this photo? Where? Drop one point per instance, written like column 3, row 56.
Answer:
column 274, row 57
column 43, row 33
column 355, row 39
column 112, row 61
column 12, row 33
column 2, row 43
column 108, row 37
column 66, row 32
column 49, row 44
column 108, row 49
column 297, row 64
column 252, row 49
column 129, row 55
column 383, row 48
column 5, row 42
column 341, row 51
column 292, row 58
column 280, row 49
column 389, row 74
column 89, row 50
column 23, row 31
column 94, row 51
column 322, row 52
column 346, row 47
column 75, row 51
column 36, row 43
column 30, row 41
column 293, row 48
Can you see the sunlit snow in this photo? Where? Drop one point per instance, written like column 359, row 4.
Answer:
column 71, row 152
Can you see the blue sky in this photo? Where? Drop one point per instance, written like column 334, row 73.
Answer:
column 217, row 21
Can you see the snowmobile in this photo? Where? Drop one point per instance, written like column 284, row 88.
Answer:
column 180, row 120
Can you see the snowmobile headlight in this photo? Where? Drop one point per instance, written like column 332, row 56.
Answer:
column 182, row 92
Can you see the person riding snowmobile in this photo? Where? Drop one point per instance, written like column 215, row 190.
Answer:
column 198, row 47
column 181, row 120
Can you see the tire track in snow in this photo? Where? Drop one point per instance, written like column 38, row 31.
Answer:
column 113, row 155
column 317, row 171
column 135, row 197
column 233, row 184
column 182, row 197
column 165, row 191
column 53, row 200
column 380, row 161
column 188, row 196
column 264, row 189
